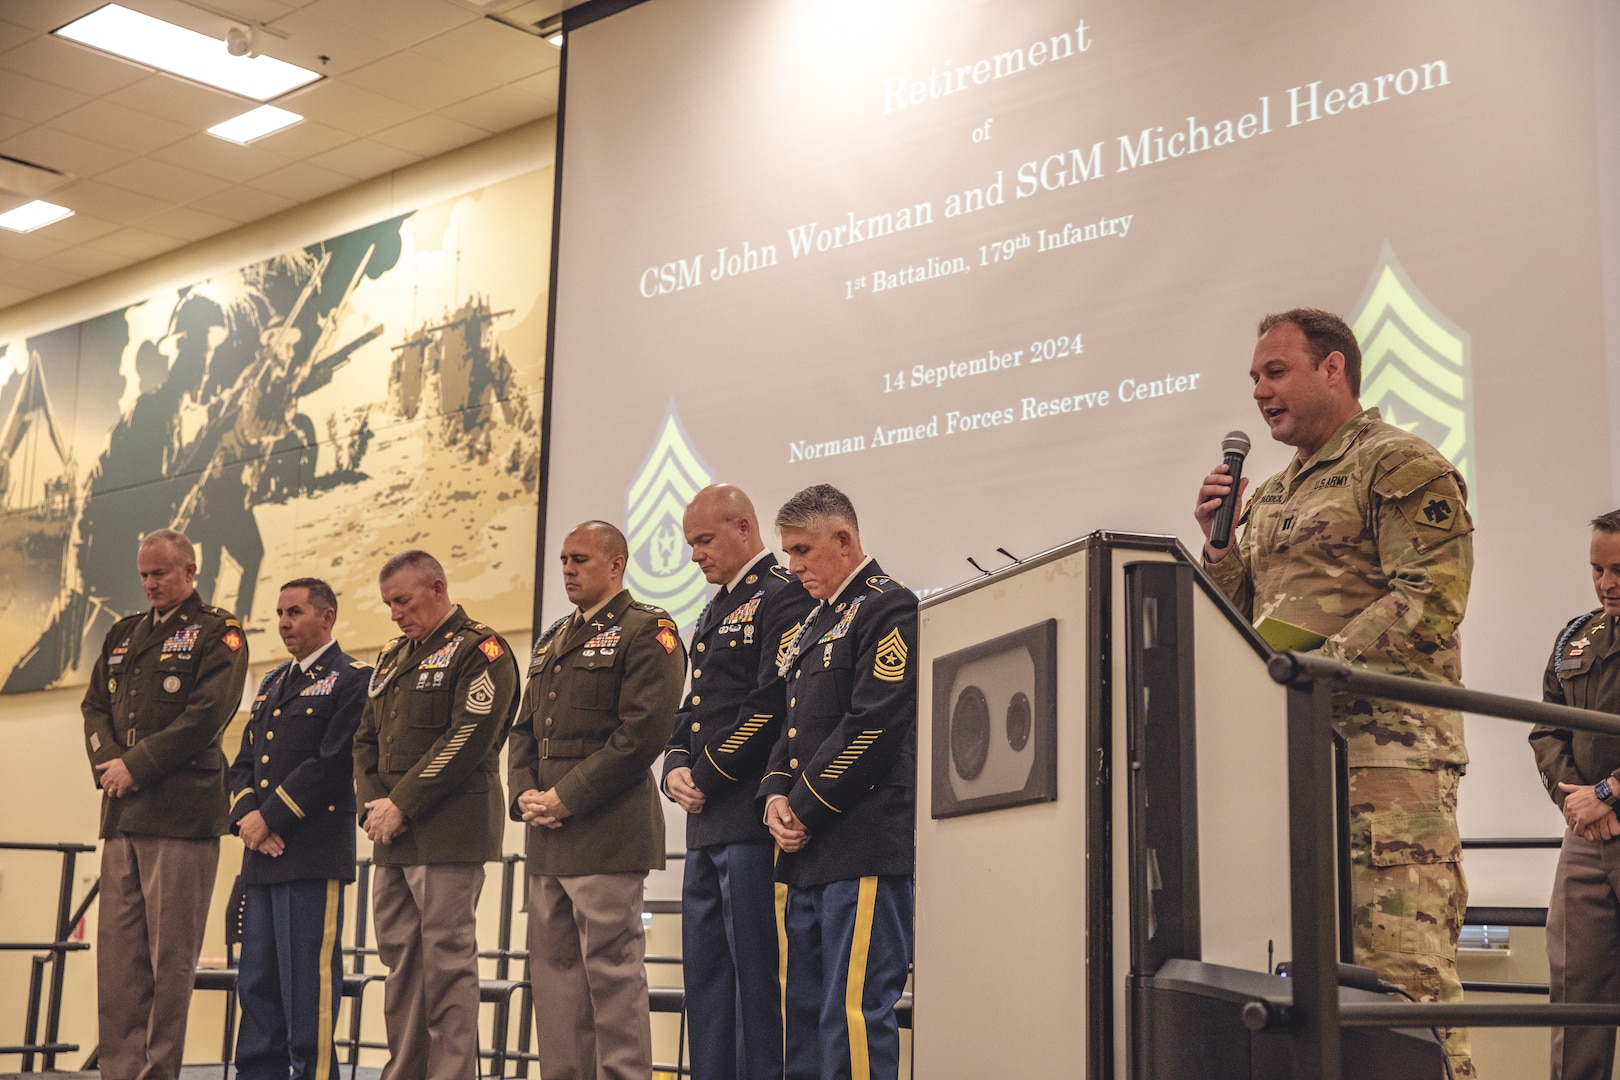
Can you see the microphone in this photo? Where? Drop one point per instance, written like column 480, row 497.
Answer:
column 1236, row 447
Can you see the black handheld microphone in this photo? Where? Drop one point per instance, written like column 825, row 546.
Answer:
column 1236, row 447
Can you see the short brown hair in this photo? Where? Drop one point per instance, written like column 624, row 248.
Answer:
column 1607, row 523
column 1326, row 333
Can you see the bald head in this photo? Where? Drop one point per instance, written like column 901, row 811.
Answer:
column 723, row 532
column 593, row 559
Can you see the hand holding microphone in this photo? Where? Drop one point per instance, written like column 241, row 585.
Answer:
column 1220, row 496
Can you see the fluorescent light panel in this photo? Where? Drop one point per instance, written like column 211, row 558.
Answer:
column 174, row 49
column 256, row 124
column 34, row 215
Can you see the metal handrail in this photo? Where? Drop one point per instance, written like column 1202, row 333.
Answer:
column 1317, row 1016
column 55, row 954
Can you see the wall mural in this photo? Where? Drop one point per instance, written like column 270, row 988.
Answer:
column 310, row 414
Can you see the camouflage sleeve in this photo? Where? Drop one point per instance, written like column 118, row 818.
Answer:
column 649, row 692
column 215, row 695
column 1426, row 554
column 1231, row 574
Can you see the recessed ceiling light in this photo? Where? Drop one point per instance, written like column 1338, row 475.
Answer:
column 255, row 124
column 174, row 49
column 34, row 215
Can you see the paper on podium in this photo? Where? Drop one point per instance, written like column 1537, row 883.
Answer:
column 1286, row 637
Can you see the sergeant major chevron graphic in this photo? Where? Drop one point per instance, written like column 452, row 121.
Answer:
column 660, row 570
column 1416, row 365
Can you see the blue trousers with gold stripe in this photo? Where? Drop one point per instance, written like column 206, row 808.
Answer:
column 290, row 981
column 848, row 951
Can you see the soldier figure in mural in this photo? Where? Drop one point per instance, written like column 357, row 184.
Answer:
column 213, row 438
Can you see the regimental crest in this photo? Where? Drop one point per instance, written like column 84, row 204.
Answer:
column 660, row 570
column 1416, row 365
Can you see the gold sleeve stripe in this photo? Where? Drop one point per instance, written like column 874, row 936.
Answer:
column 297, row 810
column 716, row 765
column 678, row 750
column 239, row 796
column 819, row 799
column 769, row 774
column 448, row 754
column 736, row 739
column 850, row 755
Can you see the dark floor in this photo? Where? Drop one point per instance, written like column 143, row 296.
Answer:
column 189, row 1072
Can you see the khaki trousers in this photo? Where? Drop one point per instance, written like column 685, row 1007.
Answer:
column 588, row 964
column 149, row 932
column 427, row 934
column 1583, row 940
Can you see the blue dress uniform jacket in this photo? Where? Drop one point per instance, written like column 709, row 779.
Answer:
column 847, row 757
column 430, row 739
column 161, row 698
column 731, row 718
column 296, row 768
column 599, row 707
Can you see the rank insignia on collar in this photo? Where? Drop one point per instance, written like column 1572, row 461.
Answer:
column 750, row 579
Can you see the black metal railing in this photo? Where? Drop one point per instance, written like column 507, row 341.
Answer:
column 53, row 955
column 1317, row 1016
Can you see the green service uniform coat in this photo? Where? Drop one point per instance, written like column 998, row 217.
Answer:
column 1369, row 544
column 599, row 707
column 160, row 698
column 430, row 739
column 1583, row 671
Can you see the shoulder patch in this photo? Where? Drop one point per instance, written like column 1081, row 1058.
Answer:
column 491, row 648
column 669, row 623
column 232, row 622
column 232, row 640
column 666, row 637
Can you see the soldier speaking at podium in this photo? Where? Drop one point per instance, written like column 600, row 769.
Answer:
column 427, row 777
column 604, row 682
column 712, row 769
column 292, row 804
column 1364, row 540
column 839, row 797
column 164, row 688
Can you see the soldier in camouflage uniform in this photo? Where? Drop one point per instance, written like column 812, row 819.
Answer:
column 1365, row 539
column 1581, row 770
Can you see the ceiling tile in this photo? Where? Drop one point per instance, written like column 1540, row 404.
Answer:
column 13, row 35
column 54, row 60
column 184, row 223
column 110, row 122
column 402, row 22
column 45, row 15
column 136, row 243
column 193, row 106
column 86, row 261
column 32, row 99
column 11, row 125
column 302, row 182
column 544, row 85
column 346, row 47
column 63, row 152
column 306, row 139
column 497, row 52
column 417, row 80
column 221, row 158
column 349, row 108
column 363, row 159
column 29, row 246
column 11, row 296
column 81, row 229
column 429, row 135
column 500, row 109
column 160, row 180
column 37, row 275
column 110, row 203
column 243, row 204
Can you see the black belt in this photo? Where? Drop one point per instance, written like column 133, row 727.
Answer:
column 569, row 748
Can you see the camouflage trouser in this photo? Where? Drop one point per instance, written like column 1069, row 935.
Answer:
column 1407, row 887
